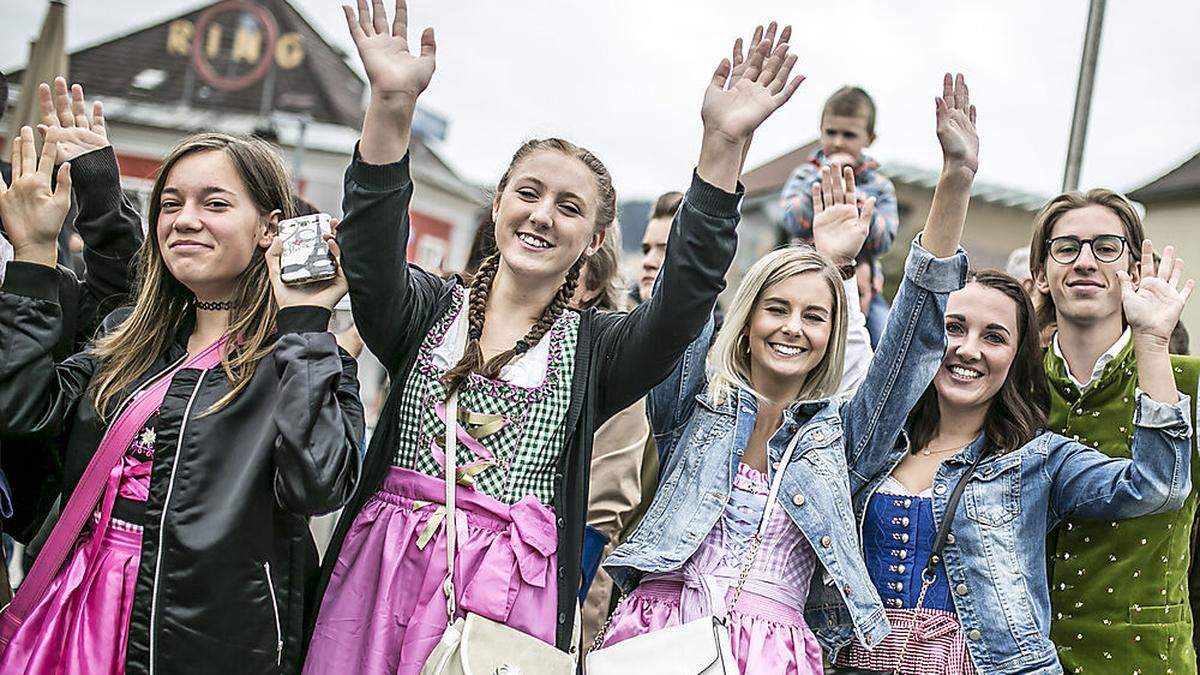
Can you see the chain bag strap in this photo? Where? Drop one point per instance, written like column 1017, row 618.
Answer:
column 929, row 572
column 597, row 657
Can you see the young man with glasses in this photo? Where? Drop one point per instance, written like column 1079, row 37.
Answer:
column 1118, row 590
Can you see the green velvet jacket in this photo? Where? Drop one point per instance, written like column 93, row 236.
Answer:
column 1119, row 589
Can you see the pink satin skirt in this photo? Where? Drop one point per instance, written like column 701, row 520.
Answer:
column 384, row 610
column 80, row 626
column 768, row 636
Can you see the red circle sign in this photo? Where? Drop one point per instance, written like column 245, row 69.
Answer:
column 205, row 69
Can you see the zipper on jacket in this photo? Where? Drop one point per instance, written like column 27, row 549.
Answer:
column 187, row 411
column 275, row 611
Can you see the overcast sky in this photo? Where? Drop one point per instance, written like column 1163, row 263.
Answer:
column 625, row 77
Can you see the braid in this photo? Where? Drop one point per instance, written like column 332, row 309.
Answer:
column 472, row 358
column 562, row 300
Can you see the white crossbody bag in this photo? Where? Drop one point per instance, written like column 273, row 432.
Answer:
column 699, row 647
column 477, row 645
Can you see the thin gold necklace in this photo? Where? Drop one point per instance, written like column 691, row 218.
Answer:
column 927, row 452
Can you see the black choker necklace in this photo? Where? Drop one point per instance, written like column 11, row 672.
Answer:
column 218, row 306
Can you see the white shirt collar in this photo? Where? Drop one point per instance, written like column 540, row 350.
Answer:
column 1098, row 368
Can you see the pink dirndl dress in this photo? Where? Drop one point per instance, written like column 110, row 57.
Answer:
column 80, row 626
column 384, row 609
column 767, row 627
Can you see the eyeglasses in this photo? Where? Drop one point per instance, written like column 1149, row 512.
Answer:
column 1106, row 248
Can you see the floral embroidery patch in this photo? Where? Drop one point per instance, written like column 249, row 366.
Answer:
column 142, row 446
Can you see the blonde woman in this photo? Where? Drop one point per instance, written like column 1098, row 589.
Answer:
column 772, row 373
column 222, row 404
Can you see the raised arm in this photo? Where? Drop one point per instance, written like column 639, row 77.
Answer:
column 914, row 340
column 319, row 419
column 1152, row 304
column 397, row 77
column 960, row 160
column 639, row 350
column 840, row 227
column 109, row 224
column 388, row 295
column 35, row 394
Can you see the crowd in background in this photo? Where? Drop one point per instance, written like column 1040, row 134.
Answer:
column 989, row 472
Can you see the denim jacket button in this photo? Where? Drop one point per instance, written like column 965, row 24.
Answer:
column 775, row 465
column 949, row 538
column 941, row 489
column 974, row 634
column 826, row 541
column 961, row 589
column 798, row 500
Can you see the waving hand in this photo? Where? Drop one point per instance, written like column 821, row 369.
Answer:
column 397, row 76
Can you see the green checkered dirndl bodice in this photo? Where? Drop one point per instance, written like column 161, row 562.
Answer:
column 522, row 428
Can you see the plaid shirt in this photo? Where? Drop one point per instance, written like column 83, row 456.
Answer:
column 798, row 209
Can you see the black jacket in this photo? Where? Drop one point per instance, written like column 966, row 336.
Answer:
column 112, row 233
column 227, row 560
column 619, row 356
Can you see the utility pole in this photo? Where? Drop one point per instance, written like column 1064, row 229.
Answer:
column 1083, row 95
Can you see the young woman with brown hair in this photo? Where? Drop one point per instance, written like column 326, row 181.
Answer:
column 533, row 378
column 199, row 431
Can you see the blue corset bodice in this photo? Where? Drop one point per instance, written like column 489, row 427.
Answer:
column 898, row 535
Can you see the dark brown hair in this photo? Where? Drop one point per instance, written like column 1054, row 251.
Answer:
column 1019, row 410
column 666, row 205
column 1055, row 209
column 481, row 285
column 851, row 102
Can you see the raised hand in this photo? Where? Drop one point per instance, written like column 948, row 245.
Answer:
column 392, row 69
column 320, row 293
column 956, row 124
column 1153, row 305
column 67, row 112
column 32, row 213
column 742, row 95
column 840, row 223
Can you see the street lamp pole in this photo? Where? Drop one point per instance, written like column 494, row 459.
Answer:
column 1083, row 95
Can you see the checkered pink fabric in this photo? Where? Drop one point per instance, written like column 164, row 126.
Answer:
column 922, row 642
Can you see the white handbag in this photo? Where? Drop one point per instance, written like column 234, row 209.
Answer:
column 477, row 645
column 699, row 647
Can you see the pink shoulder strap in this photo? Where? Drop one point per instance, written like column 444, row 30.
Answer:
column 89, row 490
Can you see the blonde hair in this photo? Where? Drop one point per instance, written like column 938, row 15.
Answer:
column 162, row 303
column 729, row 365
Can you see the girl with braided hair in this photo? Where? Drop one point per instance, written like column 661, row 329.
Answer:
column 534, row 379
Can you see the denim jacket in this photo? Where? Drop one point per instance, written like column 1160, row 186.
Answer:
column 702, row 443
column 995, row 555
